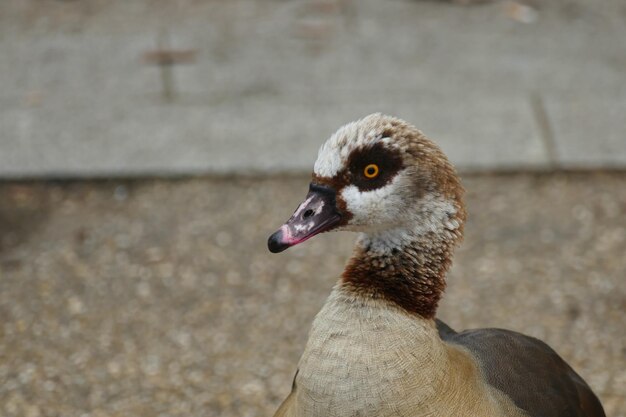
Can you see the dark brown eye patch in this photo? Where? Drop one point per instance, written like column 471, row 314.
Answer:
column 388, row 161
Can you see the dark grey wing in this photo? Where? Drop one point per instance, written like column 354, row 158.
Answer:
column 444, row 330
column 529, row 372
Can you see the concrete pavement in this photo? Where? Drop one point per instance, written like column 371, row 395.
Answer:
column 270, row 80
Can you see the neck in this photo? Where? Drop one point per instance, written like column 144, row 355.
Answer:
column 404, row 267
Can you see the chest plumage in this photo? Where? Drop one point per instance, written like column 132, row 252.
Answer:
column 362, row 357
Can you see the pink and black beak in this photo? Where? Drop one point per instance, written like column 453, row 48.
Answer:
column 318, row 213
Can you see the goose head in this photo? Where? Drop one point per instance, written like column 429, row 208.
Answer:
column 382, row 177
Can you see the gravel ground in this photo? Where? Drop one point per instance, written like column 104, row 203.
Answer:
column 159, row 298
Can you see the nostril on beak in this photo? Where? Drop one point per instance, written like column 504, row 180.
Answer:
column 307, row 214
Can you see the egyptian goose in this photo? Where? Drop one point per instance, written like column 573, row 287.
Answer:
column 375, row 348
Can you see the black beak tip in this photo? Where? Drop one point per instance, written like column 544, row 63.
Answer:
column 275, row 243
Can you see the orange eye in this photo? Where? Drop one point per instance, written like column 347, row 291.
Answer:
column 371, row 171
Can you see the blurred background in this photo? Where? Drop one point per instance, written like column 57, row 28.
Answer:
column 149, row 147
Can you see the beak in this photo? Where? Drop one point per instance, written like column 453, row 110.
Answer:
column 318, row 213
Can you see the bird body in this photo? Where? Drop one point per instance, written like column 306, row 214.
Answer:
column 376, row 348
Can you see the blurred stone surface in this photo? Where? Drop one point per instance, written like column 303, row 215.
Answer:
column 270, row 80
column 159, row 298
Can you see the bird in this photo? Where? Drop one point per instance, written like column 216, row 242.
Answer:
column 377, row 348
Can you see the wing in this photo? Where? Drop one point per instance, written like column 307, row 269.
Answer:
column 444, row 330
column 528, row 371
column 287, row 408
